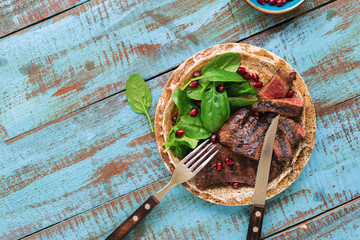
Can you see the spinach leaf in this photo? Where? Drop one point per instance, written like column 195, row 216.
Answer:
column 183, row 103
column 215, row 109
column 227, row 61
column 139, row 96
column 179, row 146
column 192, row 126
column 194, row 93
column 240, row 89
column 236, row 103
column 180, row 151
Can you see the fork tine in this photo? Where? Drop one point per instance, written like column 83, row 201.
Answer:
column 198, row 155
column 193, row 152
column 201, row 159
column 205, row 163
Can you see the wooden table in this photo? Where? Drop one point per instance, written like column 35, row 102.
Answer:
column 75, row 160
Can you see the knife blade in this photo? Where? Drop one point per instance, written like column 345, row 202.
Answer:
column 261, row 182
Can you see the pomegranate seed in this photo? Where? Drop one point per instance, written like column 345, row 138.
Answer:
column 241, row 71
column 255, row 77
column 279, row 3
column 219, row 166
column 262, row 2
column 221, row 88
column 198, row 103
column 193, row 112
column 258, row 84
column 236, row 185
column 284, row 1
column 272, row 2
column 197, row 74
column 174, row 118
column 290, row 94
column 229, row 161
column 179, row 132
column 247, row 76
column 194, row 84
column 255, row 113
column 213, row 138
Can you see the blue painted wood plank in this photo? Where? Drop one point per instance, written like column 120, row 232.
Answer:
column 339, row 223
column 87, row 53
column 329, row 179
column 95, row 155
column 17, row 14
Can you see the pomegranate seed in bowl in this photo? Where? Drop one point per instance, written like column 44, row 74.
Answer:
column 290, row 94
column 241, row 71
column 179, row 133
column 197, row 74
column 221, row 88
column 258, row 84
column 229, row 161
column 255, row 77
column 194, row 112
column 213, row 138
column 219, row 166
column 174, row 118
column 194, row 84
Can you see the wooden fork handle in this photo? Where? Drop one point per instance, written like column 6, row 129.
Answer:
column 134, row 219
column 255, row 223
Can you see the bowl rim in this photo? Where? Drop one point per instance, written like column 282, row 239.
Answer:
column 274, row 12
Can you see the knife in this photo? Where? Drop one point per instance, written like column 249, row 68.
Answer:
column 261, row 183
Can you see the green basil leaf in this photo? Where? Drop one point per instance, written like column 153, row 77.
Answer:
column 220, row 75
column 236, row 103
column 192, row 126
column 227, row 61
column 215, row 109
column 181, row 100
column 240, row 89
column 139, row 96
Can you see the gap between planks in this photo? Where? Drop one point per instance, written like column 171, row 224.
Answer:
column 314, row 217
column 159, row 74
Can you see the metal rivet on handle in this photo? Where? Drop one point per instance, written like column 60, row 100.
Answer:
column 135, row 218
column 258, row 213
column 147, row 206
column 255, row 229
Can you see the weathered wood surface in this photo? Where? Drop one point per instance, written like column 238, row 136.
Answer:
column 85, row 54
column 93, row 156
column 340, row 223
column 15, row 14
column 329, row 180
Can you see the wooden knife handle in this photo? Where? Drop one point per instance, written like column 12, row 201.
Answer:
column 255, row 223
column 134, row 219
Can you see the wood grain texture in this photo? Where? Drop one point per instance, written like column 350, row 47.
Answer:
column 17, row 14
column 328, row 180
column 340, row 223
column 95, row 155
column 87, row 53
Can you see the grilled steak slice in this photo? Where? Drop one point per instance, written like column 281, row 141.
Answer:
column 244, row 134
column 291, row 130
column 278, row 86
column 282, row 147
column 287, row 107
column 242, row 171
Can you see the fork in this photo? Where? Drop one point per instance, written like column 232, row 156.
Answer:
column 184, row 171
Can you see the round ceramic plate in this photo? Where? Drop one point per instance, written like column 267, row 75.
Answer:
column 267, row 8
column 254, row 59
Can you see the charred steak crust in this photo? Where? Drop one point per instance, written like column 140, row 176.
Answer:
column 243, row 170
column 282, row 147
column 279, row 85
column 292, row 131
column 287, row 107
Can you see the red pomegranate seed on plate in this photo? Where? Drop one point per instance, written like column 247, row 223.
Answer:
column 255, row 77
column 198, row 103
column 197, row 74
column 194, row 84
column 241, row 71
column 236, row 185
column 290, row 94
column 221, row 88
column 174, row 117
column 229, row 161
column 247, row 76
column 255, row 113
column 194, row 112
column 213, row 138
column 272, row 2
column 179, row 133
column 279, row 3
column 262, row 2
column 219, row 166
column 258, row 84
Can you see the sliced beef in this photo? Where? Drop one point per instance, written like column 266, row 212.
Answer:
column 291, row 130
column 287, row 107
column 243, row 170
column 279, row 85
column 244, row 134
column 282, row 147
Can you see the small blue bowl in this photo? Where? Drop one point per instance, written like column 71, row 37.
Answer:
column 267, row 8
